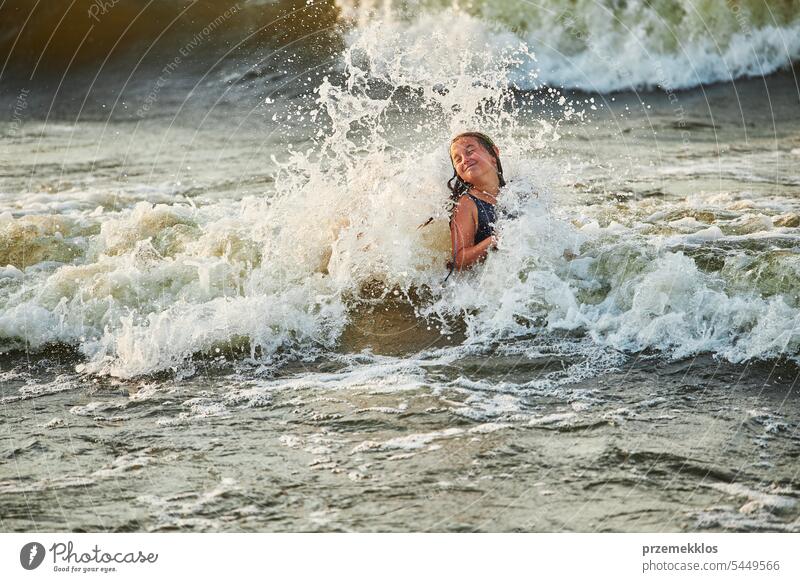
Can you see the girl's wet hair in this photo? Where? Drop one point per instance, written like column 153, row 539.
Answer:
column 459, row 187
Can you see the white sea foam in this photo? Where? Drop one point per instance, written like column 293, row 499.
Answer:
column 757, row 500
column 409, row 442
column 600, row 45
column 35, row 389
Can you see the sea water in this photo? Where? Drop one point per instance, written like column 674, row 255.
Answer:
column 224, row 304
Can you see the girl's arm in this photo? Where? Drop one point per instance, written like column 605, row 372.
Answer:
column 462, row 234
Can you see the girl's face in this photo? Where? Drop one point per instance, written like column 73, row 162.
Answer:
column 472, row 162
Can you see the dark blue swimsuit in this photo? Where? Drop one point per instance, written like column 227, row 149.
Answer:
column 486, row 219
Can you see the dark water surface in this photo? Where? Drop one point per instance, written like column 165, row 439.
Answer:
column 379, row 444
column 219, row 310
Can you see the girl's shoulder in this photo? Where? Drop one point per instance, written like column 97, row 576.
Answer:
column 464, row 205
column 465, row 200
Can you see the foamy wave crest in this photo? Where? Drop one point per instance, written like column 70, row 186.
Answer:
column 161, row 283
column 632, row 296
column 603, row 45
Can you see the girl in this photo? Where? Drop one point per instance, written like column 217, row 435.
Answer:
column 475, row 185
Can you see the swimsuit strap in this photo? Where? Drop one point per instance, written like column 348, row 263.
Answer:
column 486, row 219
column 476, row 199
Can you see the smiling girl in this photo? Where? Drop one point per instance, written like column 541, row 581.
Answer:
column 475, row 185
